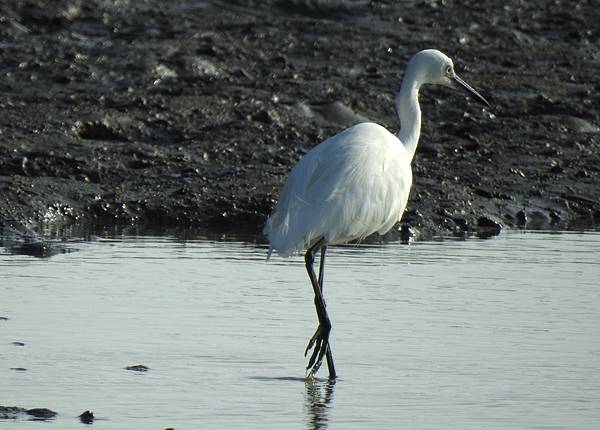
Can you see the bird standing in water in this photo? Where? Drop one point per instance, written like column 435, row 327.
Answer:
column 352, row 185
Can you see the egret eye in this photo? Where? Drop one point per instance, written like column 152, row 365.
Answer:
column 449, row 70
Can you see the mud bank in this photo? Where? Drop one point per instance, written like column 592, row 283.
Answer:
column 35, row 414
column 192, row 113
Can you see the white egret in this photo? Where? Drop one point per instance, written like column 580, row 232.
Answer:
column 352, row 185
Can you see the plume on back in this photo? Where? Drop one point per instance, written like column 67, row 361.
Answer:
column 348, row 187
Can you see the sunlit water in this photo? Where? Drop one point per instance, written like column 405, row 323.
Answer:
column 496, row 334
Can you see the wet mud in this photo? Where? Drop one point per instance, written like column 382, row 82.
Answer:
column 138, row 368
column 34, row 414
column 191, row 114
column 38, row 414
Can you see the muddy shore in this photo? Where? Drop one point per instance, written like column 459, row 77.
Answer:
column 191, row 114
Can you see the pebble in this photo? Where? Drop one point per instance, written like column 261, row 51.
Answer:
column 487, row 227
column 521, row 218
column 138, row 368
column 87, row 417
column 43, row 413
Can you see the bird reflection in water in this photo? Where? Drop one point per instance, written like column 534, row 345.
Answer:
column 319, row 394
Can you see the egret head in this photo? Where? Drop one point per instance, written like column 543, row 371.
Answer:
column 431, row 66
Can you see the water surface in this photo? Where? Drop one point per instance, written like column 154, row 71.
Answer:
column 499, row 333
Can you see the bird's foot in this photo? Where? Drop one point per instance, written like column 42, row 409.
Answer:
column 320, row 342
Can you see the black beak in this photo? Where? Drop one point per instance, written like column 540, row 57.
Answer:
column 469, row 89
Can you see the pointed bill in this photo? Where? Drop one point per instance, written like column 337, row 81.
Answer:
column 470, row 90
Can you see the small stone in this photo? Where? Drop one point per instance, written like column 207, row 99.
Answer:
column 87, row 417
column 41, row 413
column 537, row 219
column 138, row 368
column 554, row 217
column 164, row 72
column 579, row 125
column 413, row 217
column 461, row 223
column 203, row 67
column 98, row 130
column 521, row 218
column 487, row 227
column 263, row 116
column 556, row 168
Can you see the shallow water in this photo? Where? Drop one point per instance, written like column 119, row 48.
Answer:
column 499, row 333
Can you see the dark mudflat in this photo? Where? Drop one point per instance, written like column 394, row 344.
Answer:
column 192, row 113
column 14, row 412
column 138, row 368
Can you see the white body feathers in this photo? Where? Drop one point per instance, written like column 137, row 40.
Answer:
column 352, row 185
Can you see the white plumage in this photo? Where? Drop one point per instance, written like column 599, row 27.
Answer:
column 354, row 184
column 348, row 187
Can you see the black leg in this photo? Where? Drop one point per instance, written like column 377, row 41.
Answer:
column 322, row 265
column 320, row 339
column 329, row 356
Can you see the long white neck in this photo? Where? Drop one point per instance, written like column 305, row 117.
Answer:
column 409, row 112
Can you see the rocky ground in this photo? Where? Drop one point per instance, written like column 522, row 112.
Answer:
column 191, row 113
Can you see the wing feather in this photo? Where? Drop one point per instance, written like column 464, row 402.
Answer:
column 351, row 185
